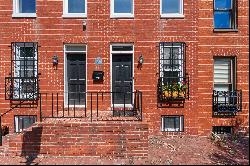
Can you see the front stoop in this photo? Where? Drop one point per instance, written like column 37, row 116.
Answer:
column 110, row 139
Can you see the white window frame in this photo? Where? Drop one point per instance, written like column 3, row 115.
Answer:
column 120, row 15
column 181, row 129
column 173, row 15
column 66, row 14
column 17, row 119
column 16, row 12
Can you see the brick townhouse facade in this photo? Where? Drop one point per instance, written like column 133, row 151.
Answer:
column 178, row 67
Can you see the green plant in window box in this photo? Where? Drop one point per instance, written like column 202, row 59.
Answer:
column 177, row 89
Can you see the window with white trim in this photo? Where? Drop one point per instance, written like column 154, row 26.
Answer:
column 75, row 8
column 24, row 122
column 24, row 8
column 172, row 123
column 122, row 8
column 171, row 8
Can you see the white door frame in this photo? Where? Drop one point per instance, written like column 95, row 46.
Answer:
column 65, row 73
column 111, row 67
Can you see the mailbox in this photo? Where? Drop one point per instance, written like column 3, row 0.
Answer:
column 98, row 75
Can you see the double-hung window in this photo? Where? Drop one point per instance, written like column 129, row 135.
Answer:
column 75, row 8
column 172, row 123
column 24, row 8
column 225, row 14
column 122, row 8
column 171, row 8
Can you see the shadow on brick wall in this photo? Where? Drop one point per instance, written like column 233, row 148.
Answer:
column 31, row 145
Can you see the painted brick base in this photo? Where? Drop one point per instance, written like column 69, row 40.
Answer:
column 102, row 139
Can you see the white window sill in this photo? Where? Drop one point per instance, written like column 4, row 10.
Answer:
column 24, row 15
column 172, row 16
column 75, row 15
column 121, row 16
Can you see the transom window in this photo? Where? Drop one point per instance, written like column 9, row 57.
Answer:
column 171, row 8
column 122, row 8
column 74, row 8
column 225, row 14
column 172, row 123
column 24, row 8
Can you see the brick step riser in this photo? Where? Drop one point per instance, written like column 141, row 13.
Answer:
column 84, row 139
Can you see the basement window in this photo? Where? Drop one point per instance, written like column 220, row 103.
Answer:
column 122, row 8
column 171, row 8
column 24, row 8
column 23, row 122
column 172, row 123
column 222, row 129
column 74, row 8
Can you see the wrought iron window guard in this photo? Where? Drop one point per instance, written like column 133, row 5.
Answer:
column 21, row 88
column 227, row 102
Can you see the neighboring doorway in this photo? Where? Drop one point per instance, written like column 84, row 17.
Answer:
column 75, row 80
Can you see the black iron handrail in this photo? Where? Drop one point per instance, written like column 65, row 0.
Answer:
column 170, row 88
column 90, row 104
column 227, row 101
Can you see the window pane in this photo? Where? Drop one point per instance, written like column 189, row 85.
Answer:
column 122, row 48
column 76, row 6
column 171, row 6
column 222, row 71
column 27, row 6
column 123, row 6
column 222, row 4
column 222, row 19
column 75, row 48
column 23, row 122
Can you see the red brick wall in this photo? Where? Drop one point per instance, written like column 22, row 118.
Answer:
column 105, row 139
column 145, row 31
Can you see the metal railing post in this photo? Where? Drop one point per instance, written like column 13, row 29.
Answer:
column 40, row 107
column 1, row 143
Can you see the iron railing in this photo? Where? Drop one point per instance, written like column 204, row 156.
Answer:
column 93, row 105
column 227, row 102
column 21, row 88
column 173, row 88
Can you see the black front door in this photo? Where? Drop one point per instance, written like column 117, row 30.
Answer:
column 76, row 77
column 122, row 78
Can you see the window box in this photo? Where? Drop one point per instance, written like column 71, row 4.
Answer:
column 122, row 8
